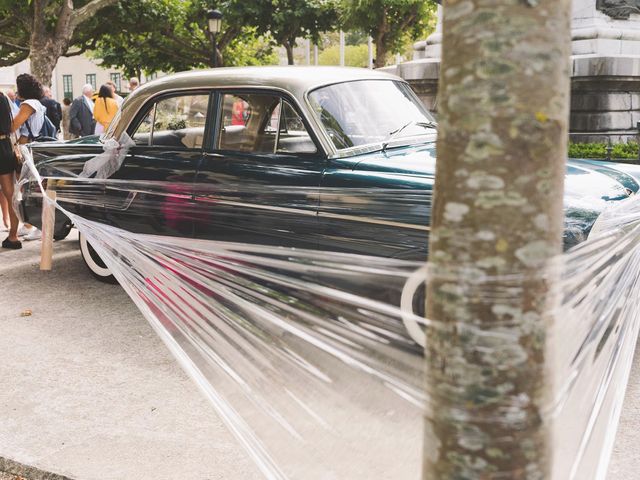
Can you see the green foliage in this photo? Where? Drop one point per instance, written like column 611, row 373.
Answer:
column 165, row 35
column 170, row 35
column 354, row 56
column 290, row 19
column 17, row 23
column 391, row 23
column 285, row 20
column 250, row 49
column 355, row 37
column 599, row 150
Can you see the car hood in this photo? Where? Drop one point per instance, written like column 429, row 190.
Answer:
column 413, row 160
column 598, row 182
column 588, row 190
column 590, row 186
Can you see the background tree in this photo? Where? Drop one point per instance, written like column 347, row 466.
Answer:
column 287, row 20
column 42, row 30
column 354, row 56
column 389, row 22
column 165, row 35
column 497, row 219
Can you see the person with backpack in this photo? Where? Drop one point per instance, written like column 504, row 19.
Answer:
column 29, row 119
column 54, row 110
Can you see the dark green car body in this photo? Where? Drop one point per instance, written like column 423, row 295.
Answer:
column 374, row 200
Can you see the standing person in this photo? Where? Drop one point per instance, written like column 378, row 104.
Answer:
column 8, row 167
column 133, row 83
column 4, row 206
column 116, row 97
column 81, row 113
column 30, row 117
column 28, row 122
column 12, row 96
column 66, row 119
column 54, row 110
column 105, row 108
column 238, row 112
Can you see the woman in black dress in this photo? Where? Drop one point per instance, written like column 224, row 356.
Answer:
column 8, row 167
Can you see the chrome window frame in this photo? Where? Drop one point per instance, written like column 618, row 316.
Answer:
column 326, row 146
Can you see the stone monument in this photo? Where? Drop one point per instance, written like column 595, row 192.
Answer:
column 423, row 71
column 605, row 74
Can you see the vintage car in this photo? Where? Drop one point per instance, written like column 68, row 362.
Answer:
column 323, row 158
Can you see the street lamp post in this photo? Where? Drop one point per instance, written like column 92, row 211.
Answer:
column 215, row 24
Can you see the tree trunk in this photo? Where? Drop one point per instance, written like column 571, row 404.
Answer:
column 497, row 219
column 46, row 45
column 44, row 56
column 288, row 45
column 379, row 36
column 381, row 52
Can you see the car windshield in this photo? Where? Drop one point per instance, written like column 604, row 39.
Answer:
column 367, row 112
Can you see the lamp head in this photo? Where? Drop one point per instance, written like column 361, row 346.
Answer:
column 214, row 18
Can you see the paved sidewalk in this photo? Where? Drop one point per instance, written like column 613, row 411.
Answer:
column 89, row 390
column 625, row 461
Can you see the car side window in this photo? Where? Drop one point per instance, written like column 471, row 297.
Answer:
column 142, row 135
column 174, row 122
column 293, row 136
column 262, row 123
column 248, row 123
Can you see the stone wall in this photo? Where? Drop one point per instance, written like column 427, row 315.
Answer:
column 605, row 83
column 605, row 101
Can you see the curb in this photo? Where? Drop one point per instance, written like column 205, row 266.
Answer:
column 19, row 471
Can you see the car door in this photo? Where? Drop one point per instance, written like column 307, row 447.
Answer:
column 379, row 203
column 152, row 192
column 258, row 182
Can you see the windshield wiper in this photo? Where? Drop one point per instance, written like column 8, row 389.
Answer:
column 394, row 134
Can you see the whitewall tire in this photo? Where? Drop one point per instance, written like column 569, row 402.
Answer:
column 94, row 263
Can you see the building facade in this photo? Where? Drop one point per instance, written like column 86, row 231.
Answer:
column 69, row 76
column 72, row 73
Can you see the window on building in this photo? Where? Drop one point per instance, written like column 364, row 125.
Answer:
column 116, row 78
column 67, row 86
column 91, row 80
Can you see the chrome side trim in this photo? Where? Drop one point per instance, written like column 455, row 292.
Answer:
column 375, row 221
column 338, row 216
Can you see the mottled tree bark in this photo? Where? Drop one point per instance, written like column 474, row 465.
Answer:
column 497, row 219
column 47, row 45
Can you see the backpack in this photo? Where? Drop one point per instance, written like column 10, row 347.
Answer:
column 53, row 111
column 48, row 130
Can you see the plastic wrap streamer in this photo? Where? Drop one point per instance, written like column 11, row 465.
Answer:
column 307, row 354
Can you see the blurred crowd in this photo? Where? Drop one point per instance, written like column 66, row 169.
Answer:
column 29, row 113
